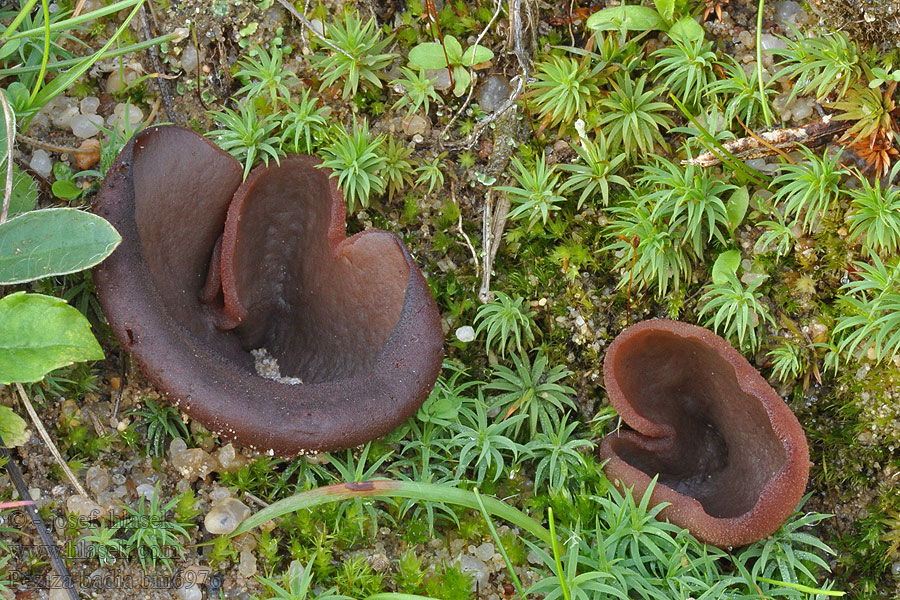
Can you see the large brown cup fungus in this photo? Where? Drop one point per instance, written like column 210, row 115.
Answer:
column 211, row 268
column 731, row 457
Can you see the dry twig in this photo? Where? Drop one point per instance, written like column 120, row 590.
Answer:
column 46, row 437
column 10, row 138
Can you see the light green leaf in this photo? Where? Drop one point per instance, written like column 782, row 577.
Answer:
column 429, row 55
column 54, row 241
column 4, row 139
column 737, row 207
column 39, row 334
column 454, row 50
column 631, row 17
column 666, row 8
column 687, row 30
column 726, row 266
column 24, row 192
column 9, row 48
column 12, row 428
column 65, row 189
column 461, row 80
column 476, row 54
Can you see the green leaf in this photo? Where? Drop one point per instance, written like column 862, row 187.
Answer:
column 454, row 50
column 9, row 48
column 461, row 80
column 480, row 54
column 18, row 96
column 4, row 138
column 666, row 8
column 737, row 207
column 54, row 241
column 12, row 428
column 39, row 334
column 24, row 192
column 687, row 30
column 429, row 55
column 726, row 266
column 65, row 189
column 631, row 17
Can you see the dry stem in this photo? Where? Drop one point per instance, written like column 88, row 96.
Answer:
column 46, row 437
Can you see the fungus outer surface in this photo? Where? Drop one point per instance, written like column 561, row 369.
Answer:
column 211, row 269
column 731, row 457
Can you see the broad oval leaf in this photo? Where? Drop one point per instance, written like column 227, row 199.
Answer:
column 737, row 207
column 13, row 428
column 54, row 241
column 429, row 55
column 454, row 49
column 726, row 266
column 666, row 8
column 631, row 17
column 39, row 334
column 24, row 192
column 687, row 30
column 476, row 54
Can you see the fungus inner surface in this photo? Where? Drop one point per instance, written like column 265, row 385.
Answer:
column 278, row 274
column 721, row 448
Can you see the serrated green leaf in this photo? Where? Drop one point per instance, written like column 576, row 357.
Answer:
column 631, row 17
column 13, row 428
column 39, row 334
column 666, row 9
column 737, row 207
column 687, row 30
column 476, row 54
column 24, row 192
column 726, row 266
column 429, row 55
column 54, row 241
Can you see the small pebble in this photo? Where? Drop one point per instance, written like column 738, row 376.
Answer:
column 789, row 13
column 230, row 459
column 176, row 447
column 114, row 81
column 85, row 126
column 189, row 591
column 194, row 464
column 41, row 163
column 247, row 564
column 493, row 93
column 224, row 517
column 84, row 508
column 415, row 125
column 465, row 334
column 146, row 490
column 440, row 77
column 89, row 105
column 485, row 551
column 97, row 479
column 471, row 564
column 189, row 59
column 124, row 111
column 62, row 117
column 90, row 154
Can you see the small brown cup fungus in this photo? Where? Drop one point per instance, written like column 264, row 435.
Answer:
column 211, row 268
column 731, row 457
